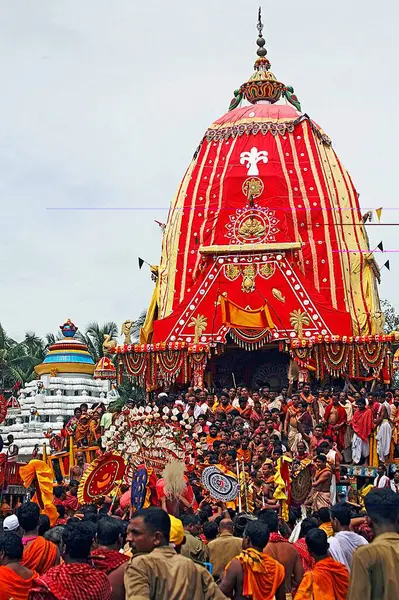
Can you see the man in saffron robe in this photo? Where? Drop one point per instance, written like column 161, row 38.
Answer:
column 329, row 580
column 253, row 574
column 362, row 425
column 75, row 578
column 336, row 419
column 39, row 554
column 15, row 580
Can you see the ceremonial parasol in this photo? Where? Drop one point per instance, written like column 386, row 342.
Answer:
column 220, row 486
column 102, row 476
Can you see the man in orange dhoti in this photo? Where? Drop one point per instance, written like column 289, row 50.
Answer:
column 39, row 554
column 15, row 580
column 329, row 580
column 253, row 574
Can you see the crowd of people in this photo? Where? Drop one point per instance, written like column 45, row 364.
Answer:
column 335, row 545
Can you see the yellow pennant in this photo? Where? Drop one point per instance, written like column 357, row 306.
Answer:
column 378, row 212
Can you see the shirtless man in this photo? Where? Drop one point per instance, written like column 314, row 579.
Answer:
column 281, row 550
column 321, row 494
column 79, row 469
column 311, row 401
column 336, row 420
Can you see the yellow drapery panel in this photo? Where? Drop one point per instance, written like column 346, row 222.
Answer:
column 236, row 316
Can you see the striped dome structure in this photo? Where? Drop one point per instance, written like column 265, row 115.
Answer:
column 68, row 355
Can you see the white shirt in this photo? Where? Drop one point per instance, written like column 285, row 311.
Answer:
column 343, row 545
column 384, row 482
column 236, row 402
column 395, row 487
column 197, row 410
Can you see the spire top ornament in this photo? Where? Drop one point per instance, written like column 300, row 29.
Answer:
column 263, row 86
column 261, row 40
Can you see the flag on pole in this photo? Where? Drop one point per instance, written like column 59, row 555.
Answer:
column 378, row 212
column 141, row 262
column 381, row 247
column 387, row 265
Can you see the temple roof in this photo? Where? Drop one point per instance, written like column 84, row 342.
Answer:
column 68, row 355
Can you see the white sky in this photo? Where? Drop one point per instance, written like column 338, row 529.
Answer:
column 103, row 104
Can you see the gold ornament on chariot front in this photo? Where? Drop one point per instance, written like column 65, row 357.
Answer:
column 298, row 319
column 278, row 295
column 252, row 187
column 248, row 278
column 252, row 228
column 199, row 323
column 267, row 270
column 231, row 272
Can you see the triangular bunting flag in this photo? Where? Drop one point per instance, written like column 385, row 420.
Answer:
column 141, row 262
column 381, row 247
column 387, row 265
column 378, row 212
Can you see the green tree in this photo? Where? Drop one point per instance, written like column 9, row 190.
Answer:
column 135, row 333
column 94, row 337
column 18, row 359
column 391, row 316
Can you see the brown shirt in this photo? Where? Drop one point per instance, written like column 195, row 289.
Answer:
column 375, row 569
column 222, row 551
column 165, row 575
column 194, row 548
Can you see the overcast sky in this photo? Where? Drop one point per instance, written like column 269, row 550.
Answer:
column 103, row 103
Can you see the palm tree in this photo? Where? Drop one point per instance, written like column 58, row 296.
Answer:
column 94, row 337
column 18, row 359
column 138, row 325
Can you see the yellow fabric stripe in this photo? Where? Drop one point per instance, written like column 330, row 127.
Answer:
column 190, row 223
column 309, row 223
column 170, row 247
column 207, row 202
column 290, row 196
column 324, row 212
column 233, row 143
column 345, row 257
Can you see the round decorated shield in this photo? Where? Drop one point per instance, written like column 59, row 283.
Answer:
column 139, row 488
column 101, row 477
column 301, row 484
column 220, row 486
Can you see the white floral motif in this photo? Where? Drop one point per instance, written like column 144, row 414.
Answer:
column 252, row 158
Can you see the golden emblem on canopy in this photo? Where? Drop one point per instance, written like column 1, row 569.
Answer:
column 200, row 324
column 252, row 227
column 252, row 187
column 298, row 319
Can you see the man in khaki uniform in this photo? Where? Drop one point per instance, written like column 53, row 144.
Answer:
column 375, row 567
column 224, row 548
column 157, row 571
column 193, row 546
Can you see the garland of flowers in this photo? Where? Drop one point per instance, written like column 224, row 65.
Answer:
column 357, row 360
column 135, row 364
column 251, row 339
column 170, row 364
column 335, row 357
